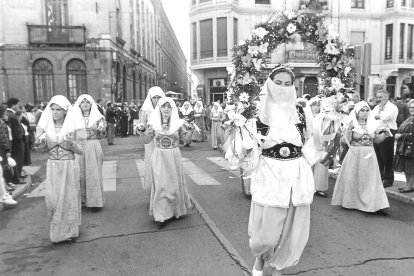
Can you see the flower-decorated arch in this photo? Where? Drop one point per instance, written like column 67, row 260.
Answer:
column 334, row 57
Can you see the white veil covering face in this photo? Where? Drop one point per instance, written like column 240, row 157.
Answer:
column 371, row 123
column 153, row 91
column 156, row 118
column 186, row 111
column 73, row 120
column 197, row 108
column 278, row 105
column 94, row 114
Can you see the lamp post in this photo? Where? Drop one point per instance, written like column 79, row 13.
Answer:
column 160, row 77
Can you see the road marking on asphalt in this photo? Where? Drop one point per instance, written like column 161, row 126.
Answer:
column 109, row 180
column 39, row 191
column 141, row 169
column 31, row 169
column 223, row 163
column 109, row 175
column 199, row 176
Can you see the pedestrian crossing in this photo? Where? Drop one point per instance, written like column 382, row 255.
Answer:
column 194, row 171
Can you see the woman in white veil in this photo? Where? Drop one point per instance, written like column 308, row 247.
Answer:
column 359, row 185
column 169, row 195
column 62, row 131
column 91, row 161
column 154, row 94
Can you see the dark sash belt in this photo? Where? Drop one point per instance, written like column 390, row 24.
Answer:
column 284, row 151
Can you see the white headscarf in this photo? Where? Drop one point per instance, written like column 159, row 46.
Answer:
column 197, row 108
column 219, row 108
column 371, row 123
column 186, row 111
column 156, row 118
column 73, row 120
column 94, row 114
column 278, row 104
column 153, row 91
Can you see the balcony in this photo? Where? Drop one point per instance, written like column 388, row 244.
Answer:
column 57, row 35
column 301, row 56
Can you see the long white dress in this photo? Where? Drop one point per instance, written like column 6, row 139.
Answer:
column 63, row 200
column 359, row 185
column 169, row 194
column 90, row 164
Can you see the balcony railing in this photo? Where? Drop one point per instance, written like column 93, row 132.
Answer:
column 302, row 56
column 57, row 35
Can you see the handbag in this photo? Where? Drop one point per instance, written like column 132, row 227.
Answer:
column 405, row 149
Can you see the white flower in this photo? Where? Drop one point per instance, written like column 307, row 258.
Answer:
column 244, row 97
column 229, row 94
column 263, row 48
column 253, row 50
column 242, row 42
column 260, row 32
column 291, row 28
column 332, row 33
column 336, row 84
column 290, row 15
column 347, row 70
column 331, row 49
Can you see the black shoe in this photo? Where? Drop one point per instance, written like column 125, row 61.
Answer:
column 95, row 209
column 19, row 182
column 9, row 188
column 406, row 191
column 387, row 183
column 381, row 212
column 23, row 176
column 110, row 144
column 321, row 194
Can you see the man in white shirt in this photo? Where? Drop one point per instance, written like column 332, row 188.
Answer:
column 385, row 114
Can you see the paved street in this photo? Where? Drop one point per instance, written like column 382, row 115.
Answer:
column 211, row 240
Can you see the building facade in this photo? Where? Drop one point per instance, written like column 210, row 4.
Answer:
column 217, row 25
column 113, row 50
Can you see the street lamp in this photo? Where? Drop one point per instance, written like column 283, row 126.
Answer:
column 161, row 77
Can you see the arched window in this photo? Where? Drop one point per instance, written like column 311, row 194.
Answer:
column 134, row 85
column 76, row 77
column 124, row 84
column 42, row 80
column 141, row 96
column 145, row 84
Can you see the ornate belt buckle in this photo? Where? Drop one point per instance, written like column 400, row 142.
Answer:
column 165, row 143
column 284, row 151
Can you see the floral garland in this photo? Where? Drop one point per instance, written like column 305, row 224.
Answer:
column 334, row 57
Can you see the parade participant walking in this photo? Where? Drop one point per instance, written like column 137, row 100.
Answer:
column 199, row 115
column 154, row 94
column 404, row 156
column 359, row 185
column 385, row 113
column 91, row 161
column 169, row 195
column 216, row 116
column 282, row 185
column 320, row 172
column 187, row 113
column 62, row 131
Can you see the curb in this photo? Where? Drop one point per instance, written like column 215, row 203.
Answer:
column 400, row 197
column 20, row 189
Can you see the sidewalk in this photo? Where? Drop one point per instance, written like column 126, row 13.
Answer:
column 19, row 190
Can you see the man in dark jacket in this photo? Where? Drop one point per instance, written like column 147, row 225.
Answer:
column 17, row 149
column 110, row 121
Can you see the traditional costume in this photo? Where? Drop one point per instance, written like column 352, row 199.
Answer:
column 216, row 116
column 91, row 179
column 186, row 113
column 359, row 185
column 169, row 195
column 282, row 184
column 199, row 115
column 144, row 115
column 62, row 171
